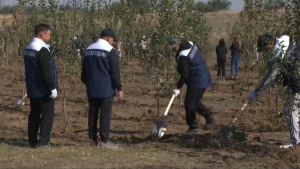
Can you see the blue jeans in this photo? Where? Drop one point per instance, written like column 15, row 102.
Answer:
column 235, row 62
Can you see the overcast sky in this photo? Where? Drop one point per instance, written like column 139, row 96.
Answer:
column 237, row 5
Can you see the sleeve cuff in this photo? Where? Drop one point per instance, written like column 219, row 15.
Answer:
column 52, row 87
column 119, row 89
column 179, row 85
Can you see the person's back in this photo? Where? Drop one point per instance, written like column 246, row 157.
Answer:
column 199, row 73
column 101, row 75
column 97, row 65
column 235, row 49
column 221, row 51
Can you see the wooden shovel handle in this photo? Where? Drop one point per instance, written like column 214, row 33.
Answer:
column 170, row 103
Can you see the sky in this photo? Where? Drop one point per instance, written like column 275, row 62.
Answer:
column 237, row 5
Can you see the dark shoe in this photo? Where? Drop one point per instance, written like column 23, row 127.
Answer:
column 193, row 131
column 109, row 145
column 44, row 144
column 95, row 143
column 32, row 145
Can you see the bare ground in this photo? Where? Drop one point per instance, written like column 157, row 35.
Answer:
column 254, row 146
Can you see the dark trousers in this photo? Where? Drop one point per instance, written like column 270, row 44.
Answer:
column 40, row 117
column 105, row 107
column 193, row 104
column 221, row 67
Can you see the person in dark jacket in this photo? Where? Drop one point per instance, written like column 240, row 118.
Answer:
column 41, row 85
column 195, row 74
column 221, row 51
column 101, row 75
column 235, row 48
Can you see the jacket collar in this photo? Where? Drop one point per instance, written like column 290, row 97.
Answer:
column 42, row 42
column 102, row 41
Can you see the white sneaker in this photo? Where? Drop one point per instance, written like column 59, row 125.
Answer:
column 289, row 144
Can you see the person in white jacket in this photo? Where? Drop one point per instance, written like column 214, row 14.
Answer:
column 280, row 47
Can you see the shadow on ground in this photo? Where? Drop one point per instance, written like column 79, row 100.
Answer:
column 19, row 142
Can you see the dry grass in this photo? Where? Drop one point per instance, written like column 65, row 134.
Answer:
column 13, row 156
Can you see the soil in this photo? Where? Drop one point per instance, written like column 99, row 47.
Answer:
column 254, row 145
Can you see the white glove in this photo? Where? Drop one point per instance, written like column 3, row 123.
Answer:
column 252, row 98
column 53, row 94
column 176, row 92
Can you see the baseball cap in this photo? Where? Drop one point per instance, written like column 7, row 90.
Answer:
column 109, row 33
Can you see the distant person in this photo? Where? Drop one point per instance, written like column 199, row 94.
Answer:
column 235, row 48
column 41, row 85
column 143, row 46
column 221, row 51
column 101, row 75
column 78, row 44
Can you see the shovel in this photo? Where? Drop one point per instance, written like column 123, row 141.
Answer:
column 227, row 132
column 20, row 102
column 159, row 128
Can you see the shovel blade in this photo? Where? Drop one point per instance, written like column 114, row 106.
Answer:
column 18, row 102
column 225, row 135
column 158, row 129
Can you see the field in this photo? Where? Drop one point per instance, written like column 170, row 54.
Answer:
column 254, row 146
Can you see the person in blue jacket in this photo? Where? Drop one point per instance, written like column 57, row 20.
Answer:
column 101, row 75
column 41, row 85
column 195, row 74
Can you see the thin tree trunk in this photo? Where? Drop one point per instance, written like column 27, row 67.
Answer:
column 157, row 97
column 270, row 107
column 248, row 77
column 65, row 114
column 134, row 70
column 277, row 105
column 64, row 102
column 124, row 79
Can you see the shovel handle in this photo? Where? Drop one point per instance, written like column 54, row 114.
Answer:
column 239, row 114
column 170, row 103
column 24, row 97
